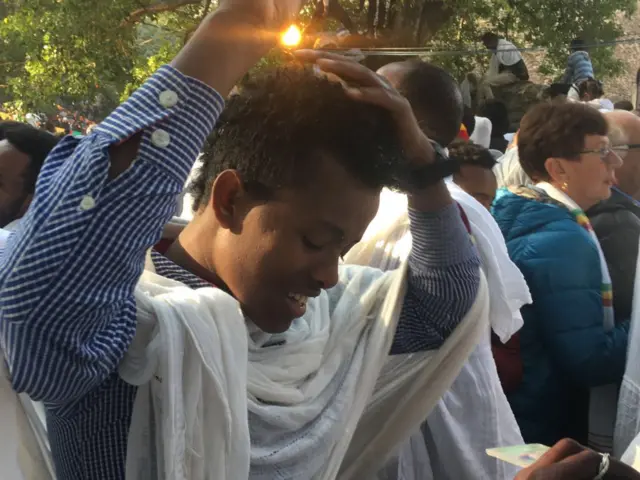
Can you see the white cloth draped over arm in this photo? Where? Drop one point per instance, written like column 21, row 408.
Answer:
column 508, row 289
column 490, row 421
column 201, row 369
column 279, row 406
column 627, row 428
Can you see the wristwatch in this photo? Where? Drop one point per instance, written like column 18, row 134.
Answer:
column 415, row 178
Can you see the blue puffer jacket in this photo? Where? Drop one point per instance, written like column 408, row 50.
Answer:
column 564, row 347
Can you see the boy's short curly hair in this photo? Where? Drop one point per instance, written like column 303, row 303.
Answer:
column 278, row 126
column 556, row 130
column 469, row 153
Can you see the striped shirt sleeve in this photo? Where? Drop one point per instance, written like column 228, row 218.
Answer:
column 67, row 311
column 444, row 277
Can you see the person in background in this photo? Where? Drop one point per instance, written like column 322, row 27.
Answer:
column 616, row 220
column 475, row 175
column 497, row 112
column 23, row 150
column 474, row 413
column 579, row 67
column 434, row 96
column 569, row 342
column 591, row 92
column 505, row 58
column 624, row 105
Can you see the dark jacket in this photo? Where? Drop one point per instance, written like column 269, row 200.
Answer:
column 616, row 222
column 563, row 345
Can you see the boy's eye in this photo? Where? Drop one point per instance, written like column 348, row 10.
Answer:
column 309, row 244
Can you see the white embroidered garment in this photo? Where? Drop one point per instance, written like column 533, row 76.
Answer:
column 471, row 416
column 474, row 413
column 24, row 447
column 603, row 400
column 482, row 132
column 628, row 416
column 219, row 400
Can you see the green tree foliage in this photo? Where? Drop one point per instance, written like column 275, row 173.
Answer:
column 91, row 54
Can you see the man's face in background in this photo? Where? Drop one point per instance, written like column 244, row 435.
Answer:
column 14, row 194
column 479, row 182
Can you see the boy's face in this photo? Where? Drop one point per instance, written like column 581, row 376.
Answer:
column 273, row 255
column 14, row 199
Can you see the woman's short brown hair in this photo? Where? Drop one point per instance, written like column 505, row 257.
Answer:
column 556, row 129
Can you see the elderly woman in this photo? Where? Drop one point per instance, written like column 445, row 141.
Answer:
column 569, row 343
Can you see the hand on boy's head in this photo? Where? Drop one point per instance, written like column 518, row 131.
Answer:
column 367, row 86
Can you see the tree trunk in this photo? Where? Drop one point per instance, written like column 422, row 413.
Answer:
column 392, row 14
column 138, row 14
column 433, row 15
column 382, row 15
column 371, row 16
column 336, row 11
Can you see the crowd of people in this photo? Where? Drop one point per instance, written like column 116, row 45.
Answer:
column 369, row 279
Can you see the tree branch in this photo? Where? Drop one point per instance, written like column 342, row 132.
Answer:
column 157, row 8
column 205, row 10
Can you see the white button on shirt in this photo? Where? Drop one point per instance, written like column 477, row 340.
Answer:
column 87, row 202
column 168, row 99
column 161, row 138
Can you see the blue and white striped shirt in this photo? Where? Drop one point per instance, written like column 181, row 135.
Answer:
column 67, row 276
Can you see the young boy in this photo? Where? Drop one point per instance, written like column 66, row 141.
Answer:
column 289, row 183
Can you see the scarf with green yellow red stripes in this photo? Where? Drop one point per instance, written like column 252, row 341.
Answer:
column 557, row 196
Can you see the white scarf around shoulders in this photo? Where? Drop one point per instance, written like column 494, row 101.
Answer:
column 389, row 242
column 219, row 401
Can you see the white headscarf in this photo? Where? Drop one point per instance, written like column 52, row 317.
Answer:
column 509, row 172
column 482, row 133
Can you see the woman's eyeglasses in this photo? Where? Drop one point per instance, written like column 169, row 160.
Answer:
column 613, row 155
column 622, row 150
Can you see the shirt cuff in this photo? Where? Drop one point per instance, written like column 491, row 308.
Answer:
column 176, row 114
column 440, row 239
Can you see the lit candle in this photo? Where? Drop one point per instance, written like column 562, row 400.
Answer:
column 291, row 37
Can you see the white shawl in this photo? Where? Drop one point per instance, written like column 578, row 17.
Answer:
column 508, row 290
column 474, row 414
column 305, row 390
column 628, row 415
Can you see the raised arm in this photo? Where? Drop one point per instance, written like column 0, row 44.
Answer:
column 444, row 267
column 67, row 312
column 68, row 274
column 444, row 275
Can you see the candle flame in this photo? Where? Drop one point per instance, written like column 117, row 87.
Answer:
column 291, row 37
